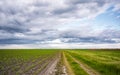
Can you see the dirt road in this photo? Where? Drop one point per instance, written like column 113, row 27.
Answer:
column 85, row 67
column 50, row 68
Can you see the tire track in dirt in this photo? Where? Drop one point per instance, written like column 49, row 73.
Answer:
column 67, row 65
column 60, row 67
column 50, row 69
column 85, row 67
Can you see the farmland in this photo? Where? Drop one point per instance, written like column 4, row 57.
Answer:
column 25, row 62
column 59, row 62
column 102, row 62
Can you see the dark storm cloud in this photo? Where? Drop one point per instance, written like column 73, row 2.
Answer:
column 100, row 2
column 13, row 26
column 90, row 40
column 104, row 37
column 16, row 41
column 61, row 11
column 12, row 29
column 78, row 8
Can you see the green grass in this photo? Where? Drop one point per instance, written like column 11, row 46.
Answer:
column 75, row 66
column 104, row 61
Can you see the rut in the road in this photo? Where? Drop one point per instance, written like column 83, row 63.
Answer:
column 61, row 68
column 51, row 67
column 69, row 70
column 85, row 67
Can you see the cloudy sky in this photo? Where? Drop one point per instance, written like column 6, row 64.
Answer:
column 59, row 23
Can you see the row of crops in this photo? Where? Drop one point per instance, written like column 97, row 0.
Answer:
column 103, row 62
column 25, row 62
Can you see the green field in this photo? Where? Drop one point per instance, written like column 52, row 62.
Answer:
column 18, row 62
column 59, row 62
column 103, row 62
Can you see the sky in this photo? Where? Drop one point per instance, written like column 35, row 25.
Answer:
column 59, row 24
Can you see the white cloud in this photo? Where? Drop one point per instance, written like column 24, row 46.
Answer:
column 62, row 46
column 116, row 7
column 44, row 21
column 56, row 41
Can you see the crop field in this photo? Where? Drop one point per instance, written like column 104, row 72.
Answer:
column 25, row 62
column 59, row 62
column 93, row 62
